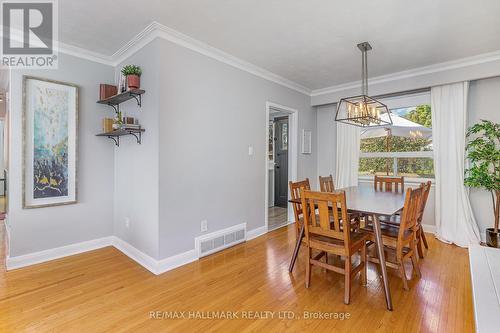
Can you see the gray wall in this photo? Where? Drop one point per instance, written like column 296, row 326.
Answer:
column 326, row 139
column 210, row 114
column 34, row 230
column 482, row 94
column 200, row 116
column 137, row 166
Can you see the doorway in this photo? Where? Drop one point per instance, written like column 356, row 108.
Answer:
column 281, row 163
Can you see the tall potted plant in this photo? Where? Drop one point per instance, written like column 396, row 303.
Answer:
column 133, row 73
column 484, row 154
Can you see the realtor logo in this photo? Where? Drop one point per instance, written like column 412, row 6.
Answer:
column 29, row 34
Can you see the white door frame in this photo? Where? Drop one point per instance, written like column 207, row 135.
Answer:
column 293, row 153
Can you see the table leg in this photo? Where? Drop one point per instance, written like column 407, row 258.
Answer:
column 381, row 257
column 297, row 247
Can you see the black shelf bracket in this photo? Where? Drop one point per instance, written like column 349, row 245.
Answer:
column 138, row 98
column 116, row 107
column 116, row 139
column 137, row 137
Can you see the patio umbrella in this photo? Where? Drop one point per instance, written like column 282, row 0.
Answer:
column 400, row 127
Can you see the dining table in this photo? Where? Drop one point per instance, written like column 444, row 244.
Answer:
column 368, row 201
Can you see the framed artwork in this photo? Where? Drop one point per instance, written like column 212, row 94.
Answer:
column 50, row 129
column 306, row 142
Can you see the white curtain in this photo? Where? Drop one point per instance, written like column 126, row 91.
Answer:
column 347, row 161
column 455, row 221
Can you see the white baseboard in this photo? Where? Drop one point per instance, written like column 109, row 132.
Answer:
column 432, row 230
column 151, row 264
column 254, row 233
column 429, row 228
column 280, row 226
column 136, row 255
column 7, row 235
column 177, row 260
column 56, row 253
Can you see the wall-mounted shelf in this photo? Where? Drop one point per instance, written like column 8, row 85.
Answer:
column 116, row 100
column 115, row 135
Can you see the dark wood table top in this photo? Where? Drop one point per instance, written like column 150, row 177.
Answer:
column 365, row 199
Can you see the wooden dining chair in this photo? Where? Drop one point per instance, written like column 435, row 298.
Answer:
column 297, row 207
column 389, row 184
column 326, row 184
column 426, row 189
column 395, row 220
column 402, row 240
column 329, row 232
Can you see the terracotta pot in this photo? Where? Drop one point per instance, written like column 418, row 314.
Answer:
column 492, row 238
column 133, row 81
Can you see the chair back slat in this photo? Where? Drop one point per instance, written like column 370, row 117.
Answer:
column 326, row 184
column 327, row 233
column 327, row 221
column 324, row 215
column 295, row 194
column 389, row 184
column 410, row 212
column 426, row 188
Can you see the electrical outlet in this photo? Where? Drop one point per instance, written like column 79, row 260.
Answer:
column 204, row 225
column 127, row 222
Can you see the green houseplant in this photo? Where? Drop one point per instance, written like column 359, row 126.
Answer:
column 133, row 73
column 484, row 172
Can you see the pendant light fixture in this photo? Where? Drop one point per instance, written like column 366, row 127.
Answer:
column 363, row 110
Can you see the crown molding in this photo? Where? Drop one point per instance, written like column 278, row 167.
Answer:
column 137, row 42
column 435, row 68
column 85, row 54
column 158, row 30
column 75, row 51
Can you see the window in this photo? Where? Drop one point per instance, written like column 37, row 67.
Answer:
column 284, row 136
column 403, row 150
column 271, row 141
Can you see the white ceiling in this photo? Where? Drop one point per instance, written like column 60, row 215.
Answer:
column 311, row 42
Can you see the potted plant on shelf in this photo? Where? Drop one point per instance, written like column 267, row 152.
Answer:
column 484, row 172
column 133, row 74
column 118, row 121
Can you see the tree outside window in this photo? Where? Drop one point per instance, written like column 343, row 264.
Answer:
column 409, row 157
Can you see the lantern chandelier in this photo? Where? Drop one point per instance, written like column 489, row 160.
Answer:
column 363, row 110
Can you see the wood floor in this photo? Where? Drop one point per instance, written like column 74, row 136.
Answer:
column 277, row 217
column 104, row 291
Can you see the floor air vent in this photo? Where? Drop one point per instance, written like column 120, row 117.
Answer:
column 219, row 240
